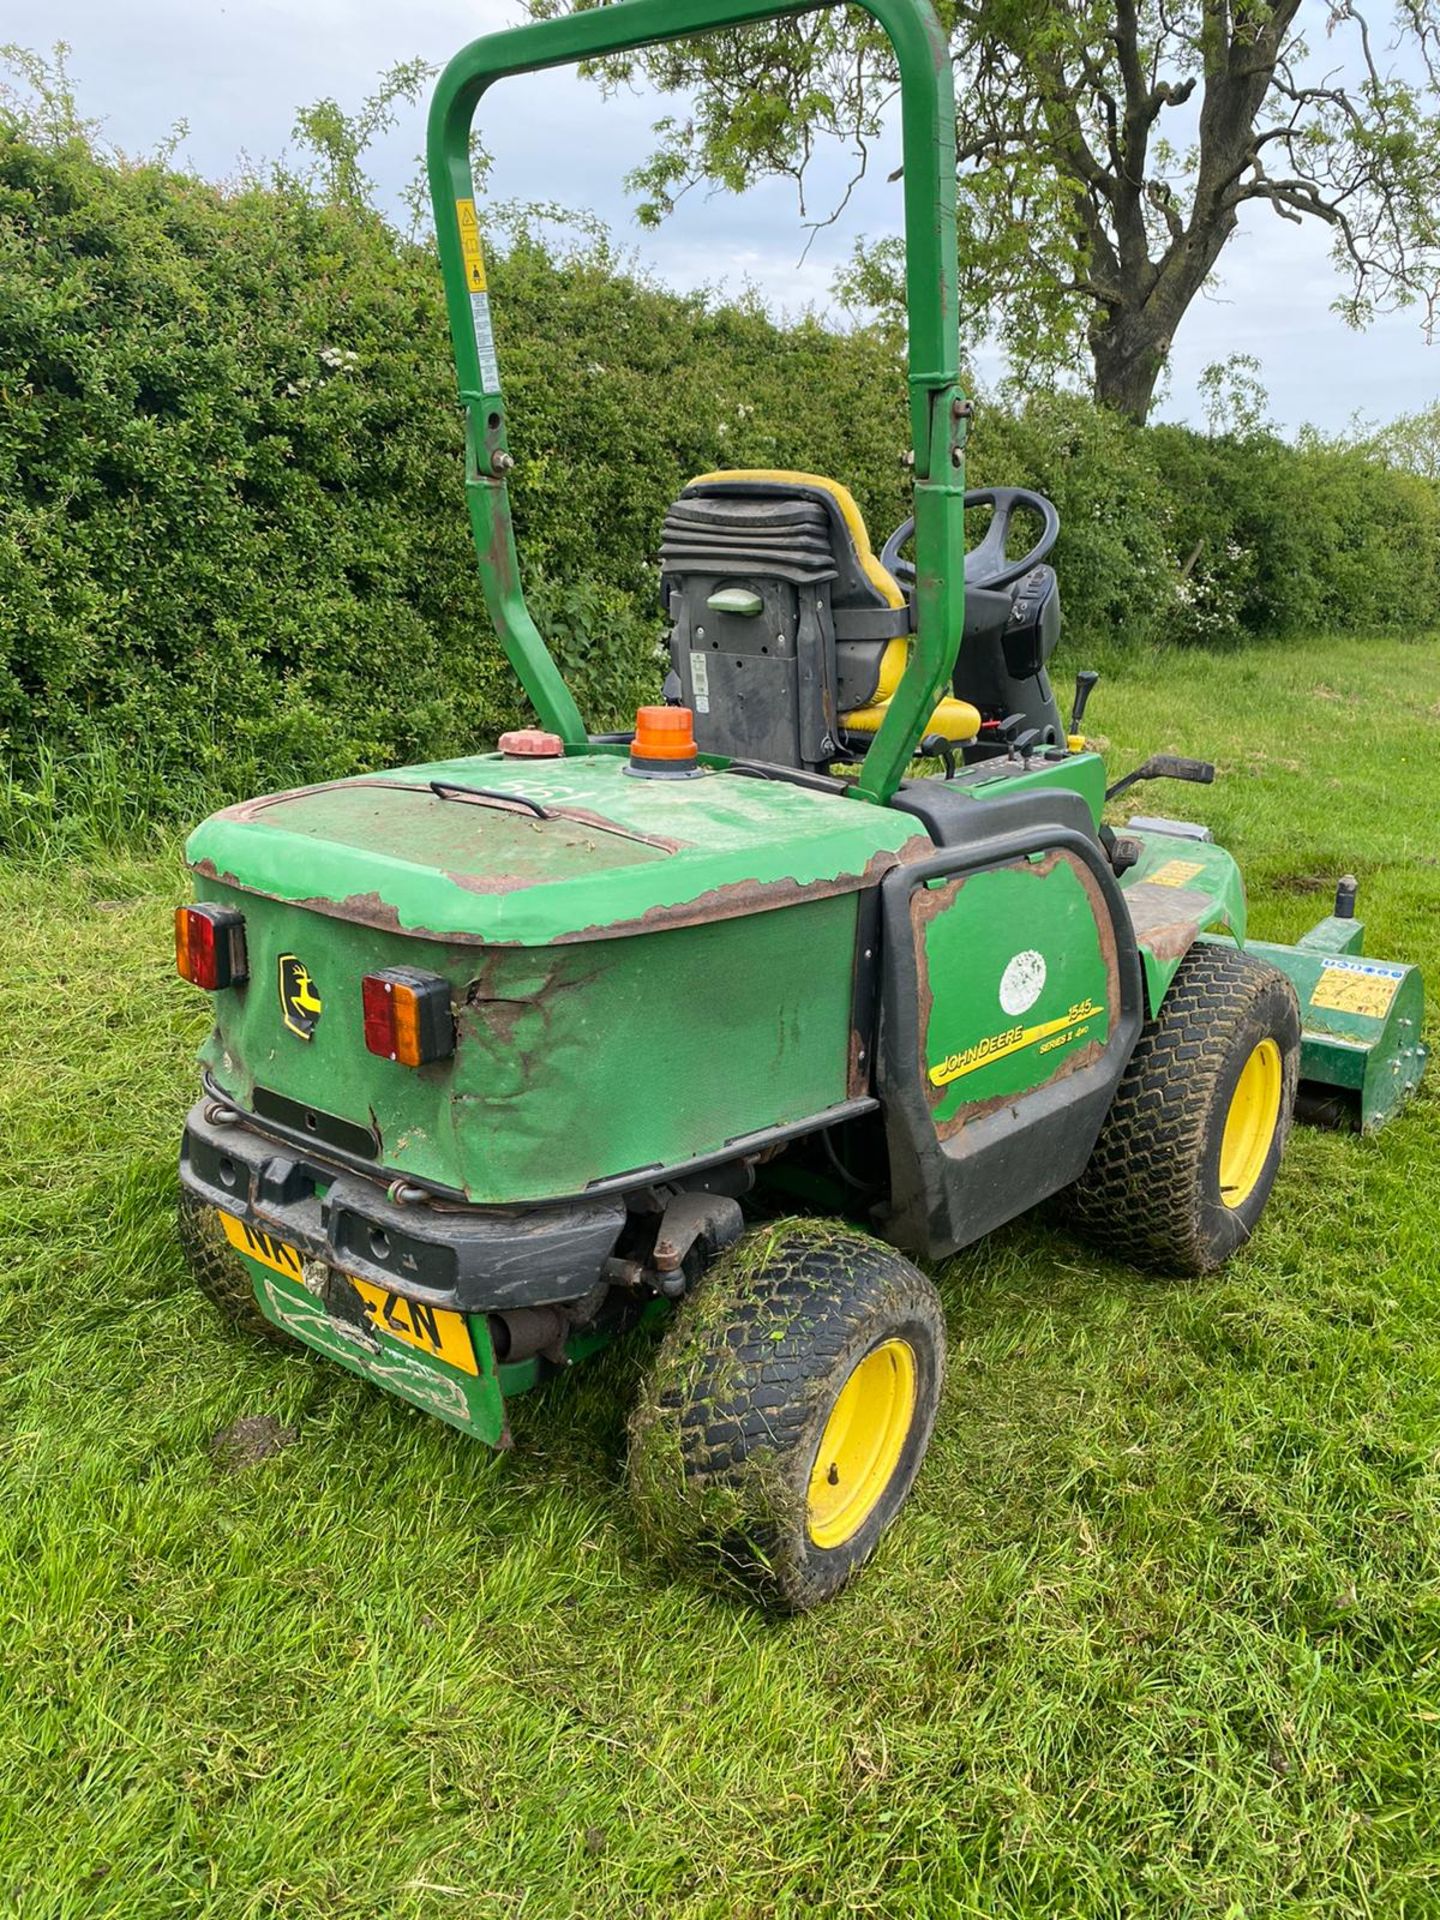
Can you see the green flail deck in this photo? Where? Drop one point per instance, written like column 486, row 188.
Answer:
column 1361, row 1054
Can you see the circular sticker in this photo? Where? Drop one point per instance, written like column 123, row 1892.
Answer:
column 1022, row 982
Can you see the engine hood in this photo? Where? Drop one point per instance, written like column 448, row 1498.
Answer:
column 551, row 850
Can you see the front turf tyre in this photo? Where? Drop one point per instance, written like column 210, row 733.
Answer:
column 219, row 1272
column 1192, row 1142
column 789, row 1409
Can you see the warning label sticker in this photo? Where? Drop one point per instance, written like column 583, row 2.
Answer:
column 485, row 342
column 473, row 257
column 700, row 680
column 470, row 251
column 1357, row 986
column 1175, row 873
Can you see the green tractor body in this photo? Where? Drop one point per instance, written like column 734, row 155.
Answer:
column 503, row 1043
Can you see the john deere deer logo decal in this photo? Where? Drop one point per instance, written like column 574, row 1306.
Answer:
column 299, row 1001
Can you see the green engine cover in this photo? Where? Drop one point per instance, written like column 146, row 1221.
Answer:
column 642, row 972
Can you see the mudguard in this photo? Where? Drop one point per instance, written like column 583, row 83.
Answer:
column 1177, row 890
column 1011, row 1000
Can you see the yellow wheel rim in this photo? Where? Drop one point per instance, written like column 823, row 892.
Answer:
column 1250, row 1124
column 862, row 1443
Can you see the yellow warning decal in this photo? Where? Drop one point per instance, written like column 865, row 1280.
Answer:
column 470, row 245
column 1352, row 986
column 997, row 1046
column 1175, row 873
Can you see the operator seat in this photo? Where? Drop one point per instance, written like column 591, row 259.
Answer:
column 787, row 636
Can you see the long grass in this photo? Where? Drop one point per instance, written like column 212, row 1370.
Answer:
column 1158, row 1635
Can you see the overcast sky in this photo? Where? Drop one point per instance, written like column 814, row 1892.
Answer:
column 235, row 72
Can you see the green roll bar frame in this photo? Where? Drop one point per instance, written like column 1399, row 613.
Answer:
column 939, row 411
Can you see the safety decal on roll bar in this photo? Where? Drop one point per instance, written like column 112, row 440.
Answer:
column 473, row 258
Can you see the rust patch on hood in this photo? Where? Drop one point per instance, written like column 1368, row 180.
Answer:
column 740, row 897
column 585, row 818
column 248, row 812
column 728, row 902
column 1167, row 919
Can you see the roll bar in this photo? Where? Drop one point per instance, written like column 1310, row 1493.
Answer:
column 938, row 409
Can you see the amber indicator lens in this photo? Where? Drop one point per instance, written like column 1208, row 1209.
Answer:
column 210, row 947
column 664, row 733
column 663, row 736
column 407, row 1016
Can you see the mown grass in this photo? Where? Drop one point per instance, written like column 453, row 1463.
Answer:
column 1159, row 1634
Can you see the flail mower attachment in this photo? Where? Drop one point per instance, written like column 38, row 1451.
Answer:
column 1361, row 1055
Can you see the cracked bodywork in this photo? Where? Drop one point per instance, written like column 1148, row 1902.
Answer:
column 1177, row 890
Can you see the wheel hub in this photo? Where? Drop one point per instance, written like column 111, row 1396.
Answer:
column 1250, row 1124
column 862, row 1443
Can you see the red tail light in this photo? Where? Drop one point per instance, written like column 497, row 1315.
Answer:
column 210, row 947
column 407, row 1016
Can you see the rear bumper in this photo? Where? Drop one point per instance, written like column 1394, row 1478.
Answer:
column 468, row 1259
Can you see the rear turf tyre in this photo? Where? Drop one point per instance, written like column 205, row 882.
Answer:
column 789, row 1409
column 219, row 1272
column 1191, row 1145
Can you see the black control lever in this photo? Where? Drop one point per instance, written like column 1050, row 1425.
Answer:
column 1165, row 766
column 936, row 747
column 1085, row 684
column 1122, row 851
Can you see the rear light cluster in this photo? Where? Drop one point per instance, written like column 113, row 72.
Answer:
column 406, row 1013
column 210, row 947
column 407, row 1016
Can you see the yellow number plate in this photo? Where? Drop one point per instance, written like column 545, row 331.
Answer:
column 433, row 1330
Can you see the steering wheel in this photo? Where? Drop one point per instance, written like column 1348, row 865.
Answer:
column 986, row 565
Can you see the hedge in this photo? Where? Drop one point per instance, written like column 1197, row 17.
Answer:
column 233, row 545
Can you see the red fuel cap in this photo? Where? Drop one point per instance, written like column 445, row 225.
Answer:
column 531, row 743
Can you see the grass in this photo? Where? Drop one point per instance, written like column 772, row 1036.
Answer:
column 1158, row 1635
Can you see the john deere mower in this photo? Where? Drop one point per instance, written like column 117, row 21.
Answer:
column 732, row 1021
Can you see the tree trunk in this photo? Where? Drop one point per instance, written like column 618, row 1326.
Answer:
column 1129, row 356
column 1130, row 335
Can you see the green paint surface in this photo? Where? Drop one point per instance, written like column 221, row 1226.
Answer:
column 1082, row 773
column 1194, row 883
column 573, row 1063
column 614, row 849
column 1018, row 980
column 471, row 1402
column 1361, row 1019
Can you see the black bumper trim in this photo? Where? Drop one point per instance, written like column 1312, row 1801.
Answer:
column 468, row 1259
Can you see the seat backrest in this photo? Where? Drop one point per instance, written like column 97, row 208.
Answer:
column 779, row 612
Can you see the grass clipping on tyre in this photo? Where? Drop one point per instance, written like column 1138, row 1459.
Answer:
column 720, row 1523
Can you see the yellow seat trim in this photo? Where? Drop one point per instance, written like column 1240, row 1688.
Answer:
column 881, row 578
column 954, row 720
